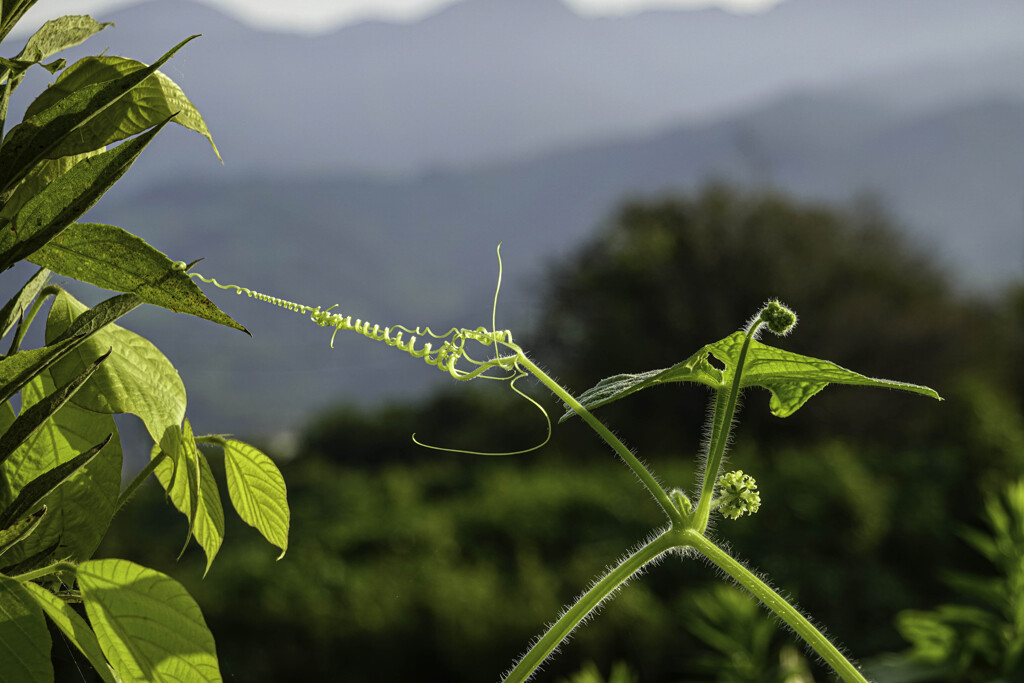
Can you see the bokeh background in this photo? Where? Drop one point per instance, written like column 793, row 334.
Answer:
column 654, row 174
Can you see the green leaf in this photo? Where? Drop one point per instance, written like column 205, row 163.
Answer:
column 59, row 34
column 99, row 316
column 80, row 510
column 257, row 490
column 65, row 199
column 44, row 173
column 19, row 303
column 109, row 257
column 41, row 136
column 20, row 530
column 11, row 12
column 137, row 378
column 155, row 99
column 40, row 487
column 791, row 378
column 189, row 482
column 24, row 638
column 147, row 624
column 31, row 419
column 74, row 629
column 24, row 365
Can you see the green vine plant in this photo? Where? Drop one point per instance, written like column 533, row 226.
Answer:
column 743, row 362
column 60, row 452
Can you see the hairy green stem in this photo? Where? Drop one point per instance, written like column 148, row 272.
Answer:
column 129, row 490
column 721, row 427
column 776, row 603
column 589, row 601
column 620, row 448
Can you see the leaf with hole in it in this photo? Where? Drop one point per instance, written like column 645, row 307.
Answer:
column 189, row 482
column 24, row 638
column 136, row 379
column 20, row 302
column 109, row 257
column 151, row 101
column 149, row 627
column 74, row 628
column 31, row 419
column 791, row 378
column 80, row 510
column 258, row 492
column 39, row 137
column 64, row 200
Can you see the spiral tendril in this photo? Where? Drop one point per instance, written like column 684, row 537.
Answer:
column 444, row 351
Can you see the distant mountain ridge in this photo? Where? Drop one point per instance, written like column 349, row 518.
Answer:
column 482, row 81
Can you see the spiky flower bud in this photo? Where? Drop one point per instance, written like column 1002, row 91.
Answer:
column 739, row 495
column 777, row 317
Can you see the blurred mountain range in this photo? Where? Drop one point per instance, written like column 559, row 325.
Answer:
column 388, row 160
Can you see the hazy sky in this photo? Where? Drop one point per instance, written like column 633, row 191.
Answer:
column 322, row 15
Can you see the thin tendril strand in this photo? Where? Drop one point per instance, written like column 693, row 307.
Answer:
column 445, row 358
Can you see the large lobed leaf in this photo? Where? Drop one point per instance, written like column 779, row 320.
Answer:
column 791, row 378
column 136, row 379
column 149, row 627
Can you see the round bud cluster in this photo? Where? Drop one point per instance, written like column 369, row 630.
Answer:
column 739, row 494
column 778, row 318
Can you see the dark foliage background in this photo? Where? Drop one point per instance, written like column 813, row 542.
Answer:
column 407, row 564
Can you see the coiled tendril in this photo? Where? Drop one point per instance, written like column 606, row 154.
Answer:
column 445, row 352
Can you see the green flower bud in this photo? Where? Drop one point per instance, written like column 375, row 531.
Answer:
column 739, row 495
column 778, row 318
